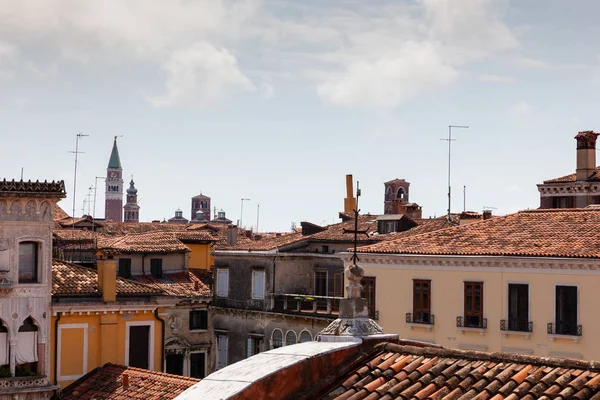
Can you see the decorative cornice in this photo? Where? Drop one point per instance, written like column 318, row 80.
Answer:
column 32, row 189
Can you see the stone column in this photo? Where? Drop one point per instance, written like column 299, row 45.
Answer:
column 13, row 355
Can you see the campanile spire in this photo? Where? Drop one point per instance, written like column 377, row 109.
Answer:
column 113, row 206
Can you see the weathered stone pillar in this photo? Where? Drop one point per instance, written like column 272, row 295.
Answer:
column 13, row 355
column 41, row 348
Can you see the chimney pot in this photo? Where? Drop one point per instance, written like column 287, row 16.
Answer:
column 125, row 381
column 196, row 286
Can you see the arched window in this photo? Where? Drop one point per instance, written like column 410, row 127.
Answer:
column 305, row 336
column 290, row 338
column 27, row 346
column 28, row 262
column 400, row 194
column 276, row 339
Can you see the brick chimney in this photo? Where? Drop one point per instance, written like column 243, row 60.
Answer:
column 586, row 154
column 232, row 235
column 350, row 200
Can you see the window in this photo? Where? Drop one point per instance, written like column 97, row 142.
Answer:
column 566, row 310
column 368, row 292
column 125, row 268
column 518, row 307
column 473, row 305
column 221, row 351
column 338, row 285
column 222, row 282
column 198, row 319
column 174, row 364
column 325, row 249
column 290, row 338
column 156, row 267
column 28, row 262
column 305, row 336
column 254, row 344
column 400, row 194
column 258, row 283
column 421, row 301
column 320, row 283
column 198, row 365
column 276, row 339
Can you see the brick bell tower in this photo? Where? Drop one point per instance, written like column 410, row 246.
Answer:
column 113, row 205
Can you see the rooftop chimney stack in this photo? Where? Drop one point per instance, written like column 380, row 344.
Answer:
column 586, row 154
column 350, row 200
column 232, row 235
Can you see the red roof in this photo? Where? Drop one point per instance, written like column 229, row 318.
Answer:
column 536, row 233
column 151, row 242
column 106, row 382
column 180, row 284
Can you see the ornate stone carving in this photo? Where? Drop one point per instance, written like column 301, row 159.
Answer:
column 175, row 323
column 354, row 274
column 352, row 327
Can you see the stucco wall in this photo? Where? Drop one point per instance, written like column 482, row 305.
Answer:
column 171, row 262
column 394, row 299
column 200, row 256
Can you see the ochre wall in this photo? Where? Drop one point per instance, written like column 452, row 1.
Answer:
column 200, row 256
column 394, row 293
column 106, row 335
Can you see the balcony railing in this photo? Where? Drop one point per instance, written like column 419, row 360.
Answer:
column 420, row 318
column 561, row 328
column 471, row 322
column 515, row 325
column 320, row 306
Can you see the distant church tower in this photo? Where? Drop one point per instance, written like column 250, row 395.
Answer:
column 132, row 209
column 113, row 206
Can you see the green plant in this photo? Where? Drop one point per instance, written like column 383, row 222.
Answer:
column 24, row 370
column 5, row 371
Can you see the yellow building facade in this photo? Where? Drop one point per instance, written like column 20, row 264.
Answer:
column 524, row 283
column 99, row 318
column 200, row 256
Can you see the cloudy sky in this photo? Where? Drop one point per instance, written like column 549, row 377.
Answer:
column 276, row 100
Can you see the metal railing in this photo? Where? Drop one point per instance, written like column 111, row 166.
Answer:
column 305, row 304
column 471, row 322
column 420, row 318
column 561, row 328
column 516, row 325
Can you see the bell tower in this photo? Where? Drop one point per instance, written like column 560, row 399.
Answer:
column 113, row 205
column 132, row 209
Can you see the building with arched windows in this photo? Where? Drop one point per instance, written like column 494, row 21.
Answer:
column 26, row 222
column 396, row 199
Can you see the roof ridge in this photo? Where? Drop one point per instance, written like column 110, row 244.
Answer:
column 429, row 350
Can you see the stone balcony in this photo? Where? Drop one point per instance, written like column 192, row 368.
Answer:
column 305, row 304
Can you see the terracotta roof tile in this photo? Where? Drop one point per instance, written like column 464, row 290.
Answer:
column 536, row 233
column 29, row 188
column 106, row 382
column 74, row 280
column 438, row 373
column 121, row 228
column 573, row 178
column 151, row 242
column 59, row 213
column 181, row 284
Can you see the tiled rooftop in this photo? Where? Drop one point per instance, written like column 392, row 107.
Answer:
column 398, row 371
column 341, row 232
column 151, row 242
column 121, row 228
column 180, row 284
column 194, row 236
column 73, row 280
column 265, row 244
column 573, row 177
column 536, row 233
column 59, row 213
column 106, row 382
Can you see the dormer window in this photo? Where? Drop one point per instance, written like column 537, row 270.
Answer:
column 28, row 262
column 178, row 214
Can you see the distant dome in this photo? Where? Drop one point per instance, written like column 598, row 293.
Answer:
column 132, row 189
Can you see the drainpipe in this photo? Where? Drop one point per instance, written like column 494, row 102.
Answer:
column 56, row 348
column 143, row 257
column 162, row 344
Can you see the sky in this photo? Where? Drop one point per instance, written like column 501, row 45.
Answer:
column 276, row 101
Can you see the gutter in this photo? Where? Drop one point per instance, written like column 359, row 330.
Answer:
column 162, row 344
column 56, row 348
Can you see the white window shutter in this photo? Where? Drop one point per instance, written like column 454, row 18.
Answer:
column 258, row 284
column 222, row 282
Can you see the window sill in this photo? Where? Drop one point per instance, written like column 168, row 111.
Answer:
column 465, row 329
column 413, row 325
column 517, row 333
column 198, row 330
column 574, row 338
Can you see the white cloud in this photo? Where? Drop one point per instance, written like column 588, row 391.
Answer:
column 390, row 79
column 531, row 63
column 520, row 109
column 200, row 75
column 491, row 78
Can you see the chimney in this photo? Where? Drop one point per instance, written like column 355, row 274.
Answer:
column 232, row 235
column 586, row 154
column 125, row 381
column 487, row 214
column 107, row 277
column 349, row 201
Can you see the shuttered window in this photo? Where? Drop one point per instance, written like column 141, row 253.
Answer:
column 222, row 282
column 258, row 284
